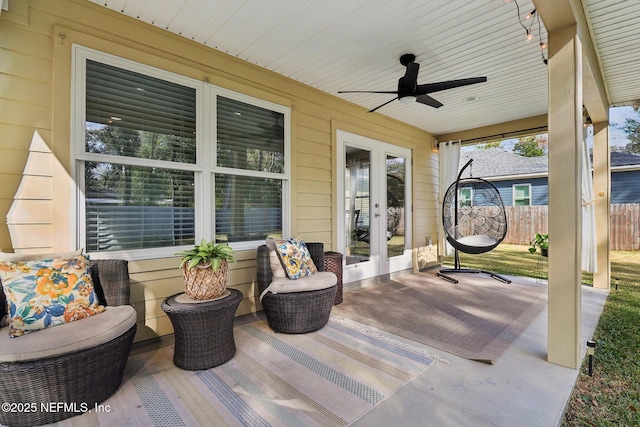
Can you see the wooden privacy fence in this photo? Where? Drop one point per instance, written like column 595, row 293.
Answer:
column 625, row 227
column 525, row 221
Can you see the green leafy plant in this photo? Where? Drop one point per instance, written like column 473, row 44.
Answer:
column 540, row 241
column 207, row 253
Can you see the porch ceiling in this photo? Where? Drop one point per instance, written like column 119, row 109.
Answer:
column 337, row 45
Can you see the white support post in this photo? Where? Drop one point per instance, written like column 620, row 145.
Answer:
column 565, row 203
column 602, row 193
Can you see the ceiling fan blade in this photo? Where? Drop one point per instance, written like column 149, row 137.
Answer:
column 436, row 87
column 382, row 105
column 427, row 100
column 369, row 91
column 411, row 75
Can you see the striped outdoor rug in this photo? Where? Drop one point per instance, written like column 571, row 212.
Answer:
column 326, row 378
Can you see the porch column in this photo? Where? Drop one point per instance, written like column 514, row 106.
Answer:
column 602, row 193
column 565, row 224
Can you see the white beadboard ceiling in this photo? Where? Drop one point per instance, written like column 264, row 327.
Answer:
column 335, row 45
column 615, row 28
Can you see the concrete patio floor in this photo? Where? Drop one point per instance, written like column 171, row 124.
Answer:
column 521, row 389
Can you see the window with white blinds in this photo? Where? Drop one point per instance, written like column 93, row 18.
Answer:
column 161, row 168
column 249, row 137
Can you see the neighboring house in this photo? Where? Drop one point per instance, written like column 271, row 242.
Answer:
column 522, row 181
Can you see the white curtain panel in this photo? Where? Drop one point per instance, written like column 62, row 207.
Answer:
column 449, row 163
column 589, row 246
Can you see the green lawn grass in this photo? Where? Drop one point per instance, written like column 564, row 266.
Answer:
column 611, row 396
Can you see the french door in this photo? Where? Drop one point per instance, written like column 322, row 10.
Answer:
column 374, row 206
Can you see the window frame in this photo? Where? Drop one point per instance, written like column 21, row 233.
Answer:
column 513, row 194
column 204, row 168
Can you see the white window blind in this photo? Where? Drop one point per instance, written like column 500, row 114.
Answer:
column 132, row 115
column 249, row 137
column 163, row 110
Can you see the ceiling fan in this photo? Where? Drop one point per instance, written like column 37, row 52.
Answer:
column 410, row 91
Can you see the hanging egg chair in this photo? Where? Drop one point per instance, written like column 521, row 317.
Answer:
column 474, row 221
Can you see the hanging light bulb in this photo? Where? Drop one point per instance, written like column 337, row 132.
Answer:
column 529, row 36
column 543, row 45
column 530, row 14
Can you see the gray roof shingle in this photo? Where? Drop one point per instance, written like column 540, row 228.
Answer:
column 496, row 162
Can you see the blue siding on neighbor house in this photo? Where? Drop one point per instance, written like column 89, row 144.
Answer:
column 539, row 190
column 625, row 188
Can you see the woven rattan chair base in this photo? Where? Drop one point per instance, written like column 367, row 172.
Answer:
column 295, row 312
column 203, row 331
column 81, row 380
column 299, row 312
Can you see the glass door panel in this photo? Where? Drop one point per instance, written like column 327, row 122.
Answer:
column 396, row 224
column 357, row 203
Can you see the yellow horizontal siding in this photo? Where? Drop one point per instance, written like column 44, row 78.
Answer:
column 9, row 183
column 26, row 114
column 310, row 173
column 313, row 161
column 11, row 134
column 316, row 211
column 25, row 66
column 38, row 92
column 18, row 38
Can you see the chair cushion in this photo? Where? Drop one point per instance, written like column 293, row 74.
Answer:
column 295, row 257
column 478, row 240
column 69, row 337
column 277, row 270
column 46, row 293
column 314, row 282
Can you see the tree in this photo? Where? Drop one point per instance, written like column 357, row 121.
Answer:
column 489, row 145
column 632, row 130
column 531, row 146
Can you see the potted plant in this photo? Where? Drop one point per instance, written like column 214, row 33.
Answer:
column 204, row 269
column 540, row 241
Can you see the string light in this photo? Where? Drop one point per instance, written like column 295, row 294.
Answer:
column 534, row 18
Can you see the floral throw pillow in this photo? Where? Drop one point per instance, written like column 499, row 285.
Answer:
column 45, row 293
column 295, row 258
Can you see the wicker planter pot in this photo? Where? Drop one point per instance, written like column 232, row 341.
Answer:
column 202, row 283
